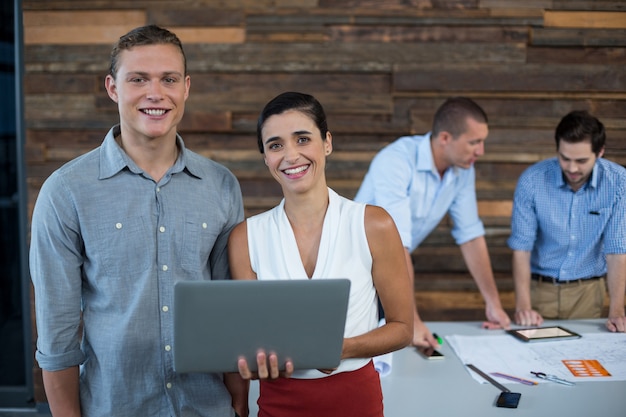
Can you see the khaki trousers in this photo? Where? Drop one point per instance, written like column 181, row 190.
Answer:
column 575, row 300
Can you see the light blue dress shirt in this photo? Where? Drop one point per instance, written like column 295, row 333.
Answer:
column 403, row 179
column 109, row 243
column 569, row 233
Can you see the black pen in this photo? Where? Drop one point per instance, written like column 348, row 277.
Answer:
column 595, row 213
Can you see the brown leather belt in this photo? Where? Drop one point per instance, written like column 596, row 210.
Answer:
column 556, row 281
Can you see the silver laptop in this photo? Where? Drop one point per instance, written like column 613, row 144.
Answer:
column 216, row 322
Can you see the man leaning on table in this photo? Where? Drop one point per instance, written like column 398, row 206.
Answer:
column 418, row 179
column 568, row 230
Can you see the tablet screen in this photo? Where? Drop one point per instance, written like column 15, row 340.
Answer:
column 544, row 333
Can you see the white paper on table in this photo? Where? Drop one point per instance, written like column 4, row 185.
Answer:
column 382, row 363
column 505, row 354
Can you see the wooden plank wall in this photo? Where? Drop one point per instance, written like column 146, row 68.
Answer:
column 379, row 68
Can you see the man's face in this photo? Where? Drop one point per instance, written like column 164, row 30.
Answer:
column 150, row 89
column 577, row 161
column 464, row 150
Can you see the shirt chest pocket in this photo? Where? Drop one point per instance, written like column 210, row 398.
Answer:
column 119, row 247
column 595, row 220
column 198, row 240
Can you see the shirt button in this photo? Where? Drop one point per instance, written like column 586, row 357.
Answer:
column 162, row 229
column 118, row 225
column 158, row 189
column 165, row 268
column 165, row 309
column 204, row 225
column 168, row 385
column 168, row 348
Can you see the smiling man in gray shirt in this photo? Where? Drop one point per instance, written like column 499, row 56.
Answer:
column 112, row 232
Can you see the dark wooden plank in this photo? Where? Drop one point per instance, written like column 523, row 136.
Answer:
column 504, row 77
column 66, row 137
column 103, row 122
column 495, row 235
column 578, row 37
column 338, row 102
column 199, row 121
column 362, row 16
column 315, row 19
column 352, row 131
column 48, row 106
column 437, row 259
column 287, row 35
column 395, row 4
column 277, row 82
column 515, row 4
column 445, row 18
column 156, row 4
column 49, row 5
column 201, row 141
column 58, row 111
column 500, row 173
column 350, row 57
column 599, row 5
column 38, row 172
column 276, row 57
column 62, row 83
column 189, row 16
column 577, row 56
column 61, row 22
column 67, row 58
column 516, row 110
column 34, row 153
column 435, row 33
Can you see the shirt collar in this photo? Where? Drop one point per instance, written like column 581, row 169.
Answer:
column 113, row 159
column 425, row 160
column 560, row 178
column 593, row 181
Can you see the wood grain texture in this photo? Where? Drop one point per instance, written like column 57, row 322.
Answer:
column 585, row 19
column 379, row 68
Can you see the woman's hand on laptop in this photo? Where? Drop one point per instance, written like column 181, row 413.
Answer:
column 267, row 367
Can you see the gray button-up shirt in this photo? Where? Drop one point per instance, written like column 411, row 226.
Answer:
column 108, row 244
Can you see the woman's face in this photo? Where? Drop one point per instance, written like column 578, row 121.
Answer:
column 294, row 151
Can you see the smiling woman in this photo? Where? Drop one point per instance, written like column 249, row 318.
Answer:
column 295, row 152
column 322, row 235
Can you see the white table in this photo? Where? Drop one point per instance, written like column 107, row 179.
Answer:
column 444, row 388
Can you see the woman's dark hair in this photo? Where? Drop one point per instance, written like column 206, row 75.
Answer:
column 290, row 100
column 578, row 126
column 144, row 35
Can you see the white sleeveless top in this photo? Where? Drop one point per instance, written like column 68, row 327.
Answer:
column 343, row 253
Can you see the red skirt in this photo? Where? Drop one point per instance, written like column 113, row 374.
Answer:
column 346, row 394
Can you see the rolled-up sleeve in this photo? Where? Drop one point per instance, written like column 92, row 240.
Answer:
column 55, row 267
column 464, row 211
column 615, row 233
column 524, row 221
